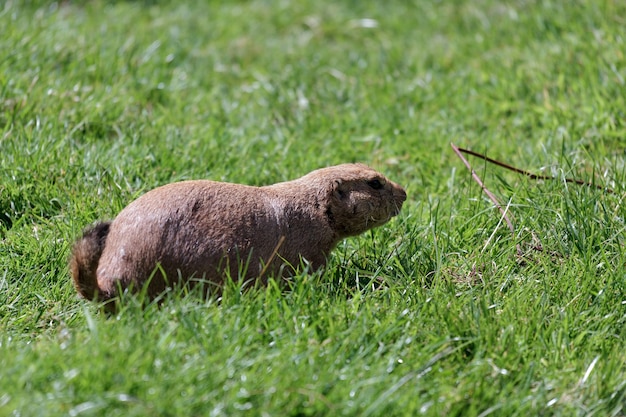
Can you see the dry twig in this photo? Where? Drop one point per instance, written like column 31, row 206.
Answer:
column 505, row 212
column 528, row 174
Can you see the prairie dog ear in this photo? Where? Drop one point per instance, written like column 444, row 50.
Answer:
column 338, row 191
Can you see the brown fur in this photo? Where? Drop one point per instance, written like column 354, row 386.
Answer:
column 204, row 230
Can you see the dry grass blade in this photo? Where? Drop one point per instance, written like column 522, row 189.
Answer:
column 491, row 196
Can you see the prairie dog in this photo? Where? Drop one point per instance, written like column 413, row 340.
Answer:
column 196, row 230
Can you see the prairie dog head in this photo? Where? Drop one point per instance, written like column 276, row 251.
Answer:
column 359, row 198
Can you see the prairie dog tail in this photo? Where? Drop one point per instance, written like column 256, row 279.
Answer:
column 85, row 256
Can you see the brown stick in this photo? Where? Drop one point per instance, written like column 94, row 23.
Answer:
column 529, row 174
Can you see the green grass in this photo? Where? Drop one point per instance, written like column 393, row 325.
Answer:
column 433, row 314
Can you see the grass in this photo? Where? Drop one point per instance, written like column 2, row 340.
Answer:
column 433, row 314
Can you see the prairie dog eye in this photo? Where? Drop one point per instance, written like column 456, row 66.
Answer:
column 376, row 184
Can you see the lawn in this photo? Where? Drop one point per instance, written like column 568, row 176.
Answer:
column 441, row 312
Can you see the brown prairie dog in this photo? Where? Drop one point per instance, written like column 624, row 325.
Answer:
column 204, row 230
